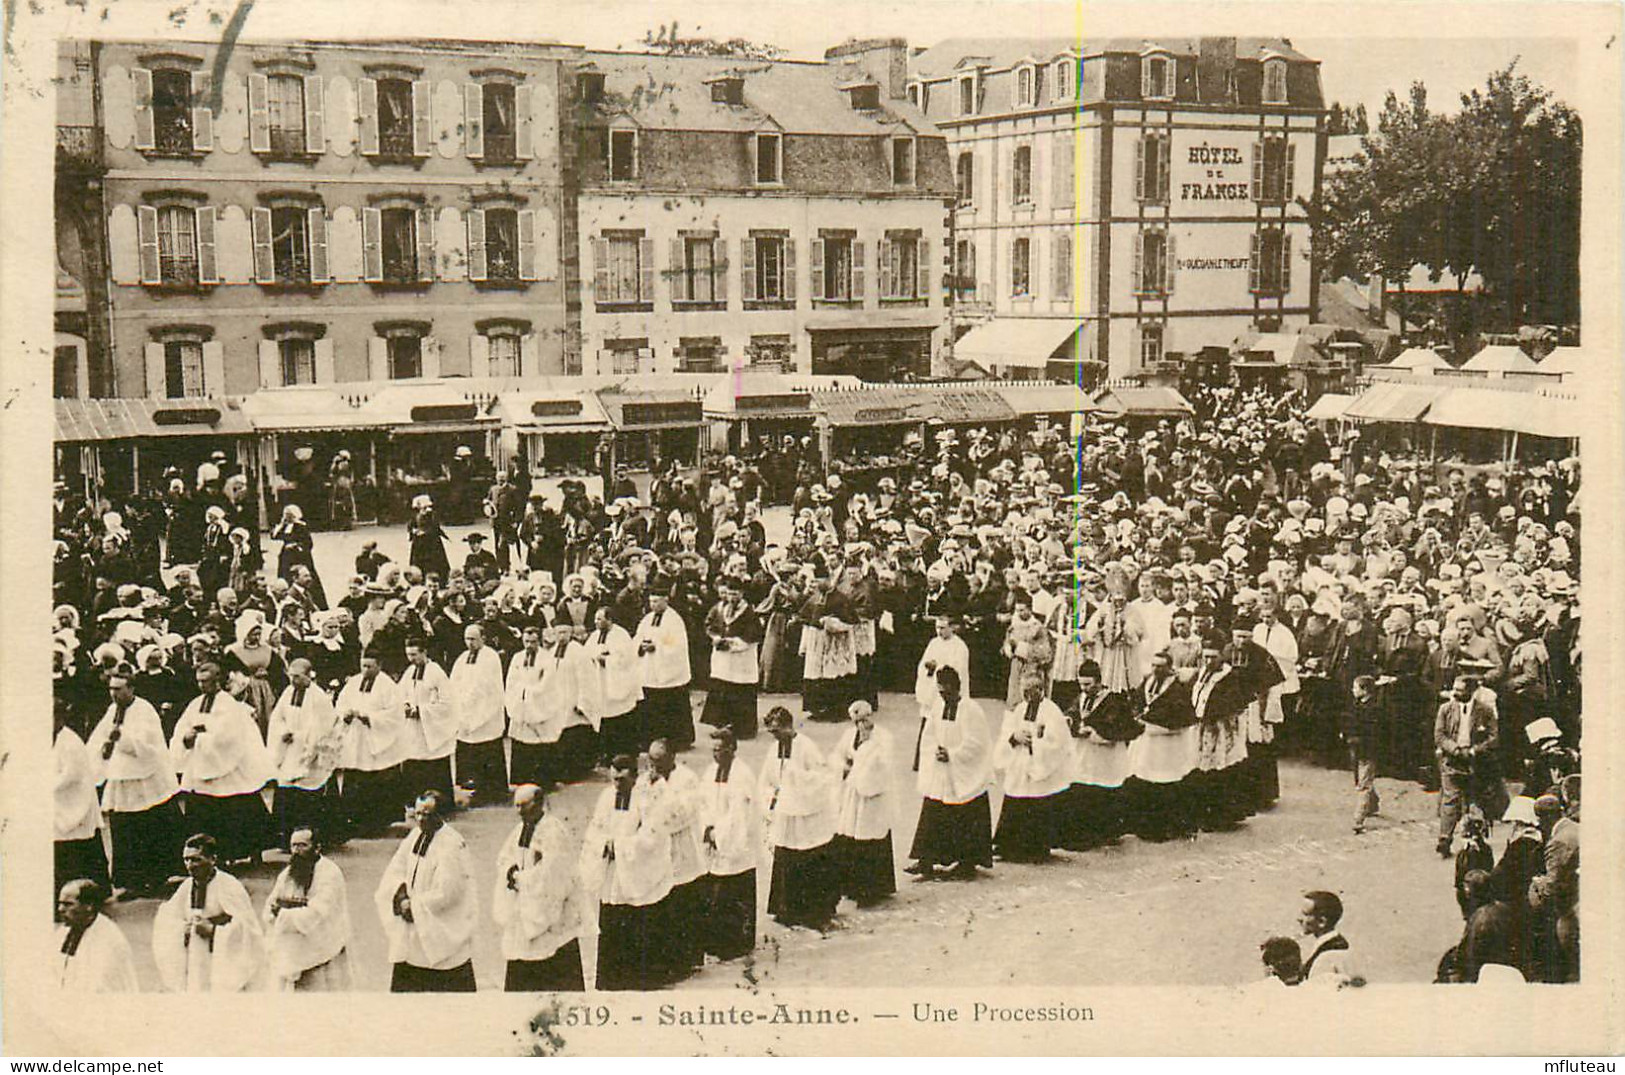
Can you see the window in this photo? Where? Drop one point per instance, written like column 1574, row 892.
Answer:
column 623, row 273
column 694, row 269
column 183, row 369
column 768, row 162
column 902, row 162
column 1066, row 81
column 1061, row 265
column 904, row 266
column 967, row 96
column 770, row 351
column 500, row 123
column 290, row 245
column 1021, row 185
column 1021, row 266
column 503, row 352
column 1273, row 163
column 768, row 272
column 502, row 244
column 965, row 178
column 65, row 372
column 728, row 91
column 1150, row 345
column 965, row 270
column 623, row 155
column 1025, row 86
column 172, row 111
column 177, row 246
column 405, row 351
column 914, row 94
column 837, row 268
column 1153, row 263
column 1271, row 263
column 395, row 118
column 625, row 356
column 699, row 354
column 285, row 112
column 1275, row 82
column 1157, row 77
column 1152, row 155
column 298, row 356
column 400, row 245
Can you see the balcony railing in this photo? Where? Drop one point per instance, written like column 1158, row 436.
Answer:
column 500, row 148
column 395, row 143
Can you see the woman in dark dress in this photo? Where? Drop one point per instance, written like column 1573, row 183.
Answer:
column 428, row 541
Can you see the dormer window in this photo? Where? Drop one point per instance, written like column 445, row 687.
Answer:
column 728, row 91
column 967, row 95
column 1157, row 76
column 769, row 158
column 1026, row 86
column 914, row 94
column 592, row 86
column 1066, row 80
column 1275, row 81
column 865, row 97
column 902, row 162
column 623, row 154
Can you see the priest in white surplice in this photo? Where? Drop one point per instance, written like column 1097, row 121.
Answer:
column 372, row 724
column 1033, row 756
column 307, row 922
column 476, row 698
column 796, row 793
column 220, row 754
column 955, row 768
column 426, row 901
column 671, row 791
column 528, row 727
column 537, row 900
column 93, row 955
column 560, row 706
column 429, row 734
column 207, row 938
column 731, row 839
column 78, row 850
column 626, row 870
column 864, row 764
column 139, row 789
column 304, row 739
column 662, row 646
column 611, row 686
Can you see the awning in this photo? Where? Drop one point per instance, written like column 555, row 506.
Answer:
column 1394, row 401
column 967, row 406
column 758, row 394
column 1016, row 341
column 1512, row 412
column 550, row 412
column 1329, row 407
column 1152, row 402
column 1418, row 358
column 93, row 420
column 1501, row 358
column 1029, row 399
column 877, row 406
column 428, row 407
column 304, row 410
column 643, row 411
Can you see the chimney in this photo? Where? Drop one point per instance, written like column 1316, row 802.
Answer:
column 1215, row 69
column 1377, row 296
column 884, row 59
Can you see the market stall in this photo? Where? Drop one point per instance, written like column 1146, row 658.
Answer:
column 752, row 404
column 116, row 447
column 650, row 429
column 311, row 438
column 864, row 427
column 1134, row 405
column 1483, row 424
column 554, row 433
column 427, row 422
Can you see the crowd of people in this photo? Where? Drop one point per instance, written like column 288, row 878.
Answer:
column 1120, row 632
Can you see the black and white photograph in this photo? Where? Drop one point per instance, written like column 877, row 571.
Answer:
column 681, row 515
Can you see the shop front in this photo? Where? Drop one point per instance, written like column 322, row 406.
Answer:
column 872, row 432
column 440, row 443
column 872, row 354
column 653, row 429
column 117, row 447
column 320, row 452
column 749, row 407
column 555, row 436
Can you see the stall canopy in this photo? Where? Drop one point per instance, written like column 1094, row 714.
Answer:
column 1394, row 401
column 1030, row 399
column 758, row 394
column 966, row 406
column 1565, row 360
column 668, row 409
column 550, row 412
column 878, row 406
column 1329, row 407
column 91, row 420
column 1151, row 402
column 1513, row 412
column 1016, row 341
column 1418, row 360
column 1500, row 358
column 428, row 407
column 1275, row 349
column 304, row 410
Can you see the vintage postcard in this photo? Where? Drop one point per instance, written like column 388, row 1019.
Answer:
column 810, row 528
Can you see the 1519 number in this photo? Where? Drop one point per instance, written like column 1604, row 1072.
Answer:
column 585, row 1016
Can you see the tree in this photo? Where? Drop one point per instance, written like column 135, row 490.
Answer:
column 669, row 40
column 1340, row 119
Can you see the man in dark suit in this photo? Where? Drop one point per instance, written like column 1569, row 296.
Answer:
column 1464, row 735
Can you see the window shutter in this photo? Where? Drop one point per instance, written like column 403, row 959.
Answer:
column 1061, row 267
column 476, row 244
column 157, row 372
column 214, row 368
column 372, row 245
column 1286, row 263
column 425, row 242
column 377, row 358
column 1253, row 263
column 524, row 136
column 1145, row 78
column 681, row 282
column 886, row 282
column 207, row 267
column 1165, row 156
column 1061, row 174
column 1258, row 171
column 1288, row 168
column 430, row 346
column 527, row 245
column 646, row 270
column 146, row 219
column 259, row 114
column 818, row 268
column 1138, row 275
column 1010, row 264
column 858, row 249
column 747, row 269
column 315, row 115
column 319, row 271
column 1139, row 170
column 600, row 270
column 1034, row 262
column 270, row 364
column 527, row 355
column 474, row 118
column 264, row 259
column 145, row 128
column 1170, row 264
column 789, row 274
column 422, row 118
column 202, row 118
column 324, row 362
column 367, row 95
column 922, row 261
column 719, row 271
column 479, row 355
